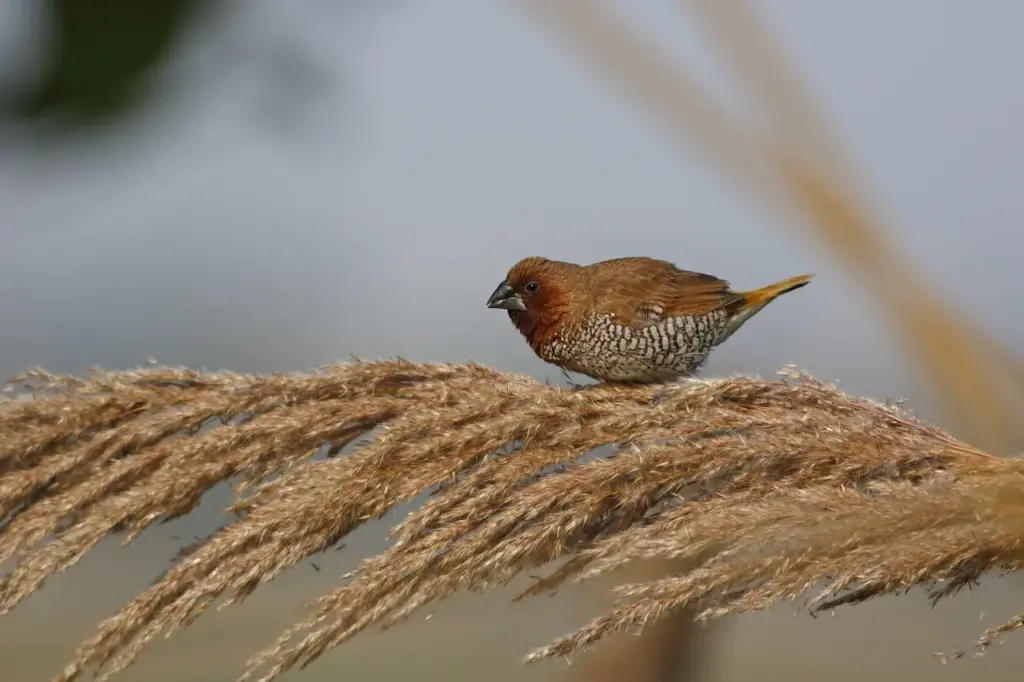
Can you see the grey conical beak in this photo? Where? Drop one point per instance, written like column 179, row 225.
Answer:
column 505, row 297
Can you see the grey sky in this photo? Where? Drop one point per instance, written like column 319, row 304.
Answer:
column 439, row 141
column 444, row 140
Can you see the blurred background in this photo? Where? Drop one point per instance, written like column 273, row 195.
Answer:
column 266, row 186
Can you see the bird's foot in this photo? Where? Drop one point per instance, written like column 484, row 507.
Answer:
column 573, row 386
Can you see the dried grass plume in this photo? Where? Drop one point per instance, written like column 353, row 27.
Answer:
column 768, row 488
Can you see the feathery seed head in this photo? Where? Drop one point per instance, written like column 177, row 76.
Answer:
column 763, row 489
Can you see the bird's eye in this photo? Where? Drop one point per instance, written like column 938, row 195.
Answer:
column 531, row 287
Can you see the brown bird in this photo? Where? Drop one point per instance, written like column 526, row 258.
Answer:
column 626, row 319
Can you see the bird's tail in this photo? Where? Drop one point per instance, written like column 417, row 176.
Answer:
column 751, row 302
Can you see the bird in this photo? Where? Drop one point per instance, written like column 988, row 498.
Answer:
column 629, row 320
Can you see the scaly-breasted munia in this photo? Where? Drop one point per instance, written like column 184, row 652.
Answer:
column 626, row 319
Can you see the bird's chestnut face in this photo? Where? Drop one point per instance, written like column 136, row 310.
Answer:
column 525, row 289
column 539, row 295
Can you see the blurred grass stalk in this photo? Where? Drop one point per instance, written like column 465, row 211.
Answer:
column 795, row 167
column 670, row 649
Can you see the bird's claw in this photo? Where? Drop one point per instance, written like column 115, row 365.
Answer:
column 573, row 386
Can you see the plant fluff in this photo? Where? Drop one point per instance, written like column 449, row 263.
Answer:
column 766, row 489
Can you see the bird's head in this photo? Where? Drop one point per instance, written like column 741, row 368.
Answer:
column 538, row 293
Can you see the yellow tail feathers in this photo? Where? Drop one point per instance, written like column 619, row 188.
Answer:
column 760, row 297
column 753, row 301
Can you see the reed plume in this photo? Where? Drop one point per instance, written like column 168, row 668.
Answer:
column 765, row 488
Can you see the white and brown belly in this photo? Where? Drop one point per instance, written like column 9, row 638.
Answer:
column 658, row 351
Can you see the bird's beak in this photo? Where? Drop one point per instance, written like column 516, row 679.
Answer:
column 505, row 297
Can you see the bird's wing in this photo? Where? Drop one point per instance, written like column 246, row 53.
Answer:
column 642, row 291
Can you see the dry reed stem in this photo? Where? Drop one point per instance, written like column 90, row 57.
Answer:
column 763, row 489
column 884, row 539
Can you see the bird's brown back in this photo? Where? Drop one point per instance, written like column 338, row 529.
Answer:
column 640, row 290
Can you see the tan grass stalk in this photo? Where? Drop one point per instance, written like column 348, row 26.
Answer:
column 884, row 539
column 763, row 489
